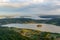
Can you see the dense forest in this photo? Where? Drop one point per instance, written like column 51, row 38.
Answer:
column 10, row 33
column 54, row 21
column 19, row 20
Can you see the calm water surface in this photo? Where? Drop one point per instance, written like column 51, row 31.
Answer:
column 45, row 27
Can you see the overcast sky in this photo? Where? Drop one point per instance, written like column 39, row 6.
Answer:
column 24, row 7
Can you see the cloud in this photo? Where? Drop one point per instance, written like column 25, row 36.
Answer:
column 42, row 7
column 18, row 3
column 14, row 4
column 49, row 7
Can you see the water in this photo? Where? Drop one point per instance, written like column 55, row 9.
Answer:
column 45, row 27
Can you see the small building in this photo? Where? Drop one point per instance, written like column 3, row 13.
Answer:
column 39, row 25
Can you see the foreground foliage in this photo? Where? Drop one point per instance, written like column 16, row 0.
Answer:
column 8, row 34
column 11, row 33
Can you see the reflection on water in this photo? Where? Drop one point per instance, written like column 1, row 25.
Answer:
column 45, row 27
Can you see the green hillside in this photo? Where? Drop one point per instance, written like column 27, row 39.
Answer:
column 11, row 33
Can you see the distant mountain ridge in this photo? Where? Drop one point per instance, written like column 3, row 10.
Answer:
column 50, row 16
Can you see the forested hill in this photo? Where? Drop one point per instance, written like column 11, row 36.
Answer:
column 54, row 21
column 49, row 16
column 19, row 20
column 10, row 33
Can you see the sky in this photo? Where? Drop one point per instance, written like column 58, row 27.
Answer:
column 29, row 7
